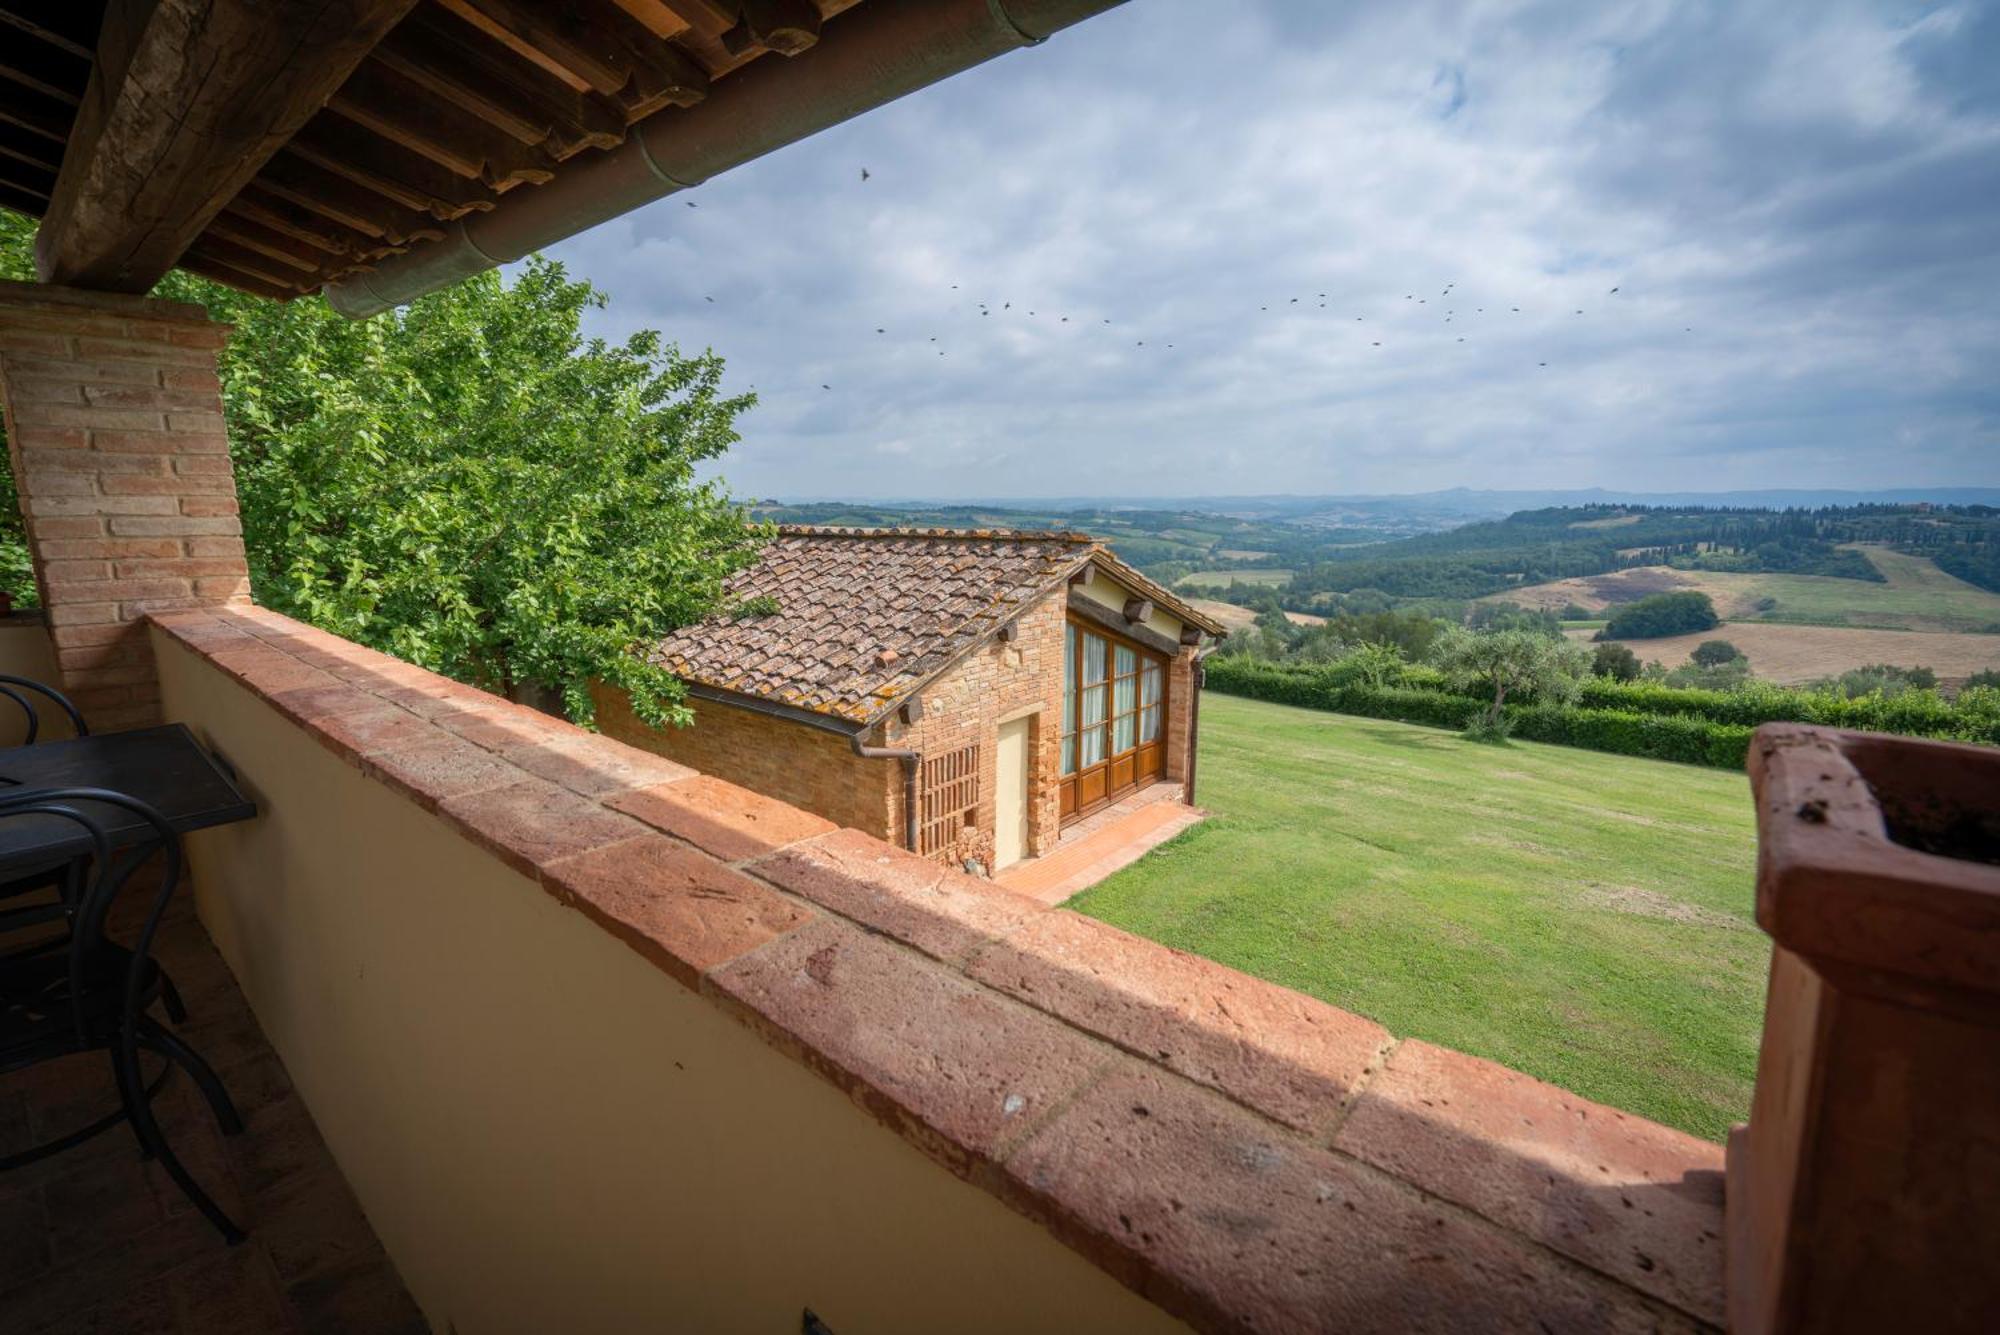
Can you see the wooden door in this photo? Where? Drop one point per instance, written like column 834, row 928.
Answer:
column 1010, row 794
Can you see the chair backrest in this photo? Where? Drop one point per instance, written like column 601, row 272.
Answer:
column 110, row 868
column 14, row 687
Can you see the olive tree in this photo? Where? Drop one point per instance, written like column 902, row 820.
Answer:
column 1510, row 662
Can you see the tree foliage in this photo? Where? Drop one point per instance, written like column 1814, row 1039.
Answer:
column 1663, row 614
column 1511, row 662
column 1615, row 661
column 1714, row 653
column 474, row 486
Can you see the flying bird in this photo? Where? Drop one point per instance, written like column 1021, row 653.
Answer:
column 864, row 173
column 688, row 202
column 881, row 331
column 1614, row 289
column 826, row 386
column 708, row 299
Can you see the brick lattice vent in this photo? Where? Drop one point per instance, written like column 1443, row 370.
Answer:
column 114, row 425
column 1245, row 1156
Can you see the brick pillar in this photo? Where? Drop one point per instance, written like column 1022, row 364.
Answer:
column 1180, row 712
column 114, row 429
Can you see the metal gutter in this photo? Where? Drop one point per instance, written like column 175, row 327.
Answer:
column 910, row 760
column 868, row 56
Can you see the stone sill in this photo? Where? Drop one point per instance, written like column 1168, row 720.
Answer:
column 1245, row 1156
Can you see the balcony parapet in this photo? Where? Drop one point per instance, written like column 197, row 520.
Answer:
column 1246, row 1157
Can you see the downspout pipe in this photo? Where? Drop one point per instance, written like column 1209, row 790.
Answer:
column 910, row 760
column 869, row 56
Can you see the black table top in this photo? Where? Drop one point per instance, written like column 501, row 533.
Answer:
column 163, row 766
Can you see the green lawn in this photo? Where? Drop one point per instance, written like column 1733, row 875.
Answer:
column 1582, row 917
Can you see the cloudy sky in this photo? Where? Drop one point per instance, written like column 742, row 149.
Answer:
column 1798, row 204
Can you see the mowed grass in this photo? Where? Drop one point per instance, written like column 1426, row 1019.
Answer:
column 1583, row 917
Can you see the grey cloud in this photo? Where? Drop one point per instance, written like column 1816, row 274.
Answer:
column 1813, row 189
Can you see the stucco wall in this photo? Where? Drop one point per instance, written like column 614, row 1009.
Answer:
column 805, row 766
column 547, row 1132
column 1106, row 591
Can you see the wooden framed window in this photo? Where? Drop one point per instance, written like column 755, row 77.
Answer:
column 948, row 797
column 1114, row 707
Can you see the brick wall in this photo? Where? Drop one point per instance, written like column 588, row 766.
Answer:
column 999, row 681
column 804, row 766
column 115, row 433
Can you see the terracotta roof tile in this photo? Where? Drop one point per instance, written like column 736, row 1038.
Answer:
column 866, row 615
column 845, row 596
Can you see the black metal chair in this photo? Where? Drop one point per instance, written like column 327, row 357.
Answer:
column 13, row 688
column 94, row 994
column 21, row 690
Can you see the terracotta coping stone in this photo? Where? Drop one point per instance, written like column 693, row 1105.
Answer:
column 1245, row 1156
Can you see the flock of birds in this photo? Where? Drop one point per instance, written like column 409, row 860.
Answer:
column 986, row 311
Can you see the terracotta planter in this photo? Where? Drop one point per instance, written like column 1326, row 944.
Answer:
column 1864, row 1194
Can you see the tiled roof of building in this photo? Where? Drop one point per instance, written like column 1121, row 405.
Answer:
column 867, row 615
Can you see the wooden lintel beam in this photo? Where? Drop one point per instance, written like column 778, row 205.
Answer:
column 186, row 101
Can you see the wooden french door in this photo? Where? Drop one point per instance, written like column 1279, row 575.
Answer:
column 1114, row 718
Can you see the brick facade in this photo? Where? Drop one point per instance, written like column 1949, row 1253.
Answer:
column 806, row 767
column 997, row 682
column 115, row 432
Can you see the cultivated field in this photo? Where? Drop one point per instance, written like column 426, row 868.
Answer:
column 1792, row 655
column 1916, row 596
column 1222, row 579
column 1582, row 917
column 1233, row 617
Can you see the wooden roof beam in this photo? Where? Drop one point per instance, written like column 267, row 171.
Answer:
column 784, row 26
column 469, row 68
column 339, row 200
column 389, row 170
column 407, row 113
column 551, row 36
column 187, row 100
column 66, row 25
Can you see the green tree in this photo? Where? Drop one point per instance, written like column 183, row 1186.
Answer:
column 1615, row 661
column 1511, row 662
column 474, row 486
column 1714, row 653
column 1662, row 614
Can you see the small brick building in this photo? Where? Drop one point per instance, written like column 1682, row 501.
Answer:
column 967, row 693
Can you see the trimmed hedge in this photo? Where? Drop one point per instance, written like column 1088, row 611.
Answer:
column 1695, row 727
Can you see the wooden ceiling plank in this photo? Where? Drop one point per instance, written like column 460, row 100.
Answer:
column 19, row 67
column 67, row 25
column 487, row 78
column 187, row 100
column 658, row 19
column 409, row 114
column 246, row 261
column 390, row 170
column 221, row 273
column 713, row 17
column 28, row 180
column 541, row 35
column 38, row 115
column 22, row 201
column 336, row 198
column 16, row 142
column 267, row 243
column 297, row 222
